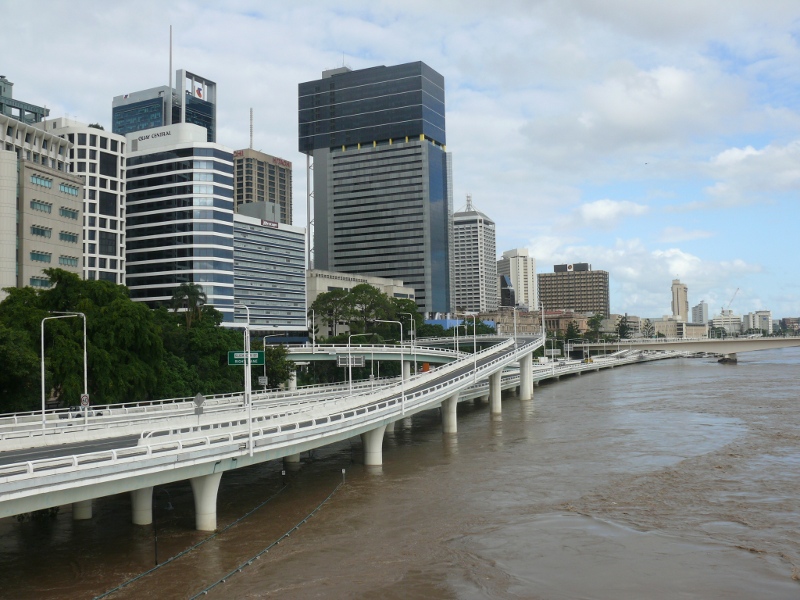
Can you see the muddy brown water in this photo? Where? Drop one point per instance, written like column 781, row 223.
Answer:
column 674, row 479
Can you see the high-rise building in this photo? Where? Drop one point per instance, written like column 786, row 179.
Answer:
column 179, row 216
column 99, row 157
column 382, row 177
column 759, row 320
column 40, row 206
column 16, row 109
column 575, row 287
column 259, row 177
column 680, row 300
column 193, row 101
column 474, row 260
column 521, row 270
column 700, row 312
column 269, row 274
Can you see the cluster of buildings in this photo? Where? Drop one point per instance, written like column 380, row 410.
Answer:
column 159, row 201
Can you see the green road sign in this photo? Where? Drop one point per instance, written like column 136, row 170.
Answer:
column 237, row 357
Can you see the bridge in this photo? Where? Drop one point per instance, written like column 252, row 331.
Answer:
column 728, row 346
column 133, row 449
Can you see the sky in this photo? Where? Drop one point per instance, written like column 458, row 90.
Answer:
column 654, row 140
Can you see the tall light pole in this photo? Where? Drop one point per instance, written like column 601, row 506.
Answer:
column 474, row 346
column 313, row 330
column 247, row 384
column 515, row 325
column 67, row 315
column 402, row 370
column 350, row 359
column 413, row 337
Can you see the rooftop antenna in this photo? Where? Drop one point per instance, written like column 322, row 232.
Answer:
column 469, row 203
column 168, row 108
column 251, row 128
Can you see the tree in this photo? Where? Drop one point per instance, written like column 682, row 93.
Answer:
column 623, row 329
column 573, row 332
column 594, row 323
column 191, row 298
column 96, row 126
column 369, row 303
column 648, row 329
column 332, row 307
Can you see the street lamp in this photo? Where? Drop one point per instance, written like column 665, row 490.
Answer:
column 66, row 315
column 413, row 337
column 350, row 359
column 313, row 330
column 247, row 384
column 402, row 370
column 514, row 308
column 474, row 346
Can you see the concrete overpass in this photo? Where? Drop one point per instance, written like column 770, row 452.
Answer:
column 726, row 346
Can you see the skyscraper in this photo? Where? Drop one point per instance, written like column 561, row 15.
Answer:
column 680, row 300
column 179, row 216
column 382, row 177
column 193, row 101
column 474, row 260
column 521, row 271
column 99, row 157
column 259, row 177
column 575, row 287
column 700, row 312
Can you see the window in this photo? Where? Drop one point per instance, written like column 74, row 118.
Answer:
column 103, row 142
column 113, row 145
column 45, row 232
column 68, row 213
column 108, row 204
column 42, row 181
column 81, row 139
column 42, row 206
column 93, row 154
column 92, row 261
column 72, row 190
column 82, row 153
column 40, row 282
column 92, row 221
column 93, row 140
column 66, row 236
column 68, row 261
column 108, row 243
column 40, row 256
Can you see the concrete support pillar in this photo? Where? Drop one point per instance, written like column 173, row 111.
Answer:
column 292, row 458
column 82, row 511
column 526, row 377
column 495, row 393
column 449, row 422
column 373, row 446
column 407, row 369
column 390, row 426
column 142, row 506
column 205, row 490
column 293, row 381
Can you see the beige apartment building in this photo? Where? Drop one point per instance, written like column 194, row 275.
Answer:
column 260, row 177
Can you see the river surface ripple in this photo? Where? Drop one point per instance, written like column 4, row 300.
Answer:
column 673, row 479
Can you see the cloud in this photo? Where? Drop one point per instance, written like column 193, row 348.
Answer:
column 604, row 214
column 672, row 235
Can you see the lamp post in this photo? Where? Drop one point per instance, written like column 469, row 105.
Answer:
column 85, row 380
column 413, row 337
column 350, row 359
column 313, row 330
column 402, row 375
column 264, row 343
column 474, row 346
column 515, row 325
column 247, row 384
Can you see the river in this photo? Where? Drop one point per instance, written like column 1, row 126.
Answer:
column 671, row 479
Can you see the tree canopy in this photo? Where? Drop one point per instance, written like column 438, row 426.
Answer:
column 133, row 353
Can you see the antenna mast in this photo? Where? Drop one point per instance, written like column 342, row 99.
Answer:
column 168, row 107
column 251, row 128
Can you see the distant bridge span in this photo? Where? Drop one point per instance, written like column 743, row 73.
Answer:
column 725, row 346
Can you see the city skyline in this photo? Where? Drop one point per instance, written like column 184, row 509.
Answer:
column 656, row 142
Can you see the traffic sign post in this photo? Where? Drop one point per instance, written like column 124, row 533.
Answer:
column 349, row 361
column 84, row 399
column 237, row 358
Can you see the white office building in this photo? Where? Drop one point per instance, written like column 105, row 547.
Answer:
column 99, row 157
column 761, row 319
column 474, row 261
column 700, row 312
column 520, row 267
column 179, row 216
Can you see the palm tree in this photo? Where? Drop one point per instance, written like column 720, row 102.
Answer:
column 191, row 298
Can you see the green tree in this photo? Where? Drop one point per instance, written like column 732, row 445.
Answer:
column 648, row 329
column 332, row 307
column 369, row 303
column 191, row 298
column 623, row 328
column 594, row 323
column 572, row 332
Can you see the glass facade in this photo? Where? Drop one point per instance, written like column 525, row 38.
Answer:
column 193, row 244
column 372, row 105
column 137, row 116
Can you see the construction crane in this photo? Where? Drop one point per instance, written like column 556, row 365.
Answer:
column 732, row 297
column 723, row 315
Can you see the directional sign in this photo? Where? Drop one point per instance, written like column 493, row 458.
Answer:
column 262, row 380
column 84, row 399
column 355, row 361
column 236, row 357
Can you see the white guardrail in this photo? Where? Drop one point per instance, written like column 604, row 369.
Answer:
column 350, row 413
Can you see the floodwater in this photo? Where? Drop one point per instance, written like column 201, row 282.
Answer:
column 672, row 479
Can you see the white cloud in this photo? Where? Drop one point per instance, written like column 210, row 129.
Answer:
column 604, row 214
column 672, row 235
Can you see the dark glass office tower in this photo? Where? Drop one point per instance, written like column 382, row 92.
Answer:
column 382, row 177
column 193, row 101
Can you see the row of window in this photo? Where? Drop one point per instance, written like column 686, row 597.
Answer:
column 47, row 232
column 45, row 207
column 104, row 141
column 72, row 190
column 45, row 257
column 42, row 181
column 68, row 213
